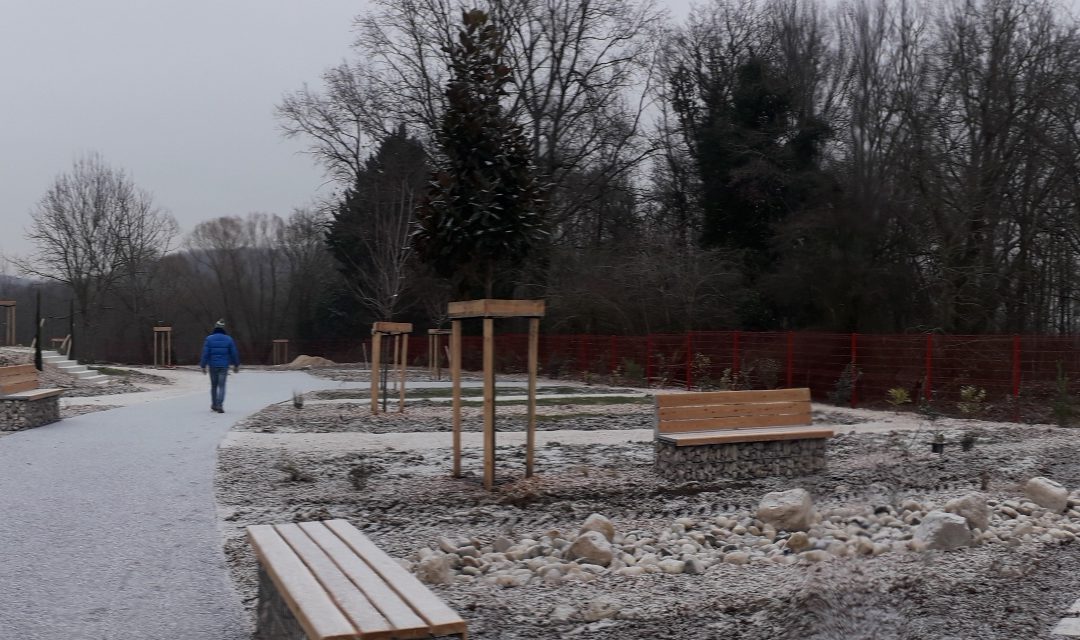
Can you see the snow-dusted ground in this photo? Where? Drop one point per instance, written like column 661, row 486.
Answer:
column 389, row 475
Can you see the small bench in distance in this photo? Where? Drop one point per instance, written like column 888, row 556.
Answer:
column 327, row 581
column 719, row 435
column 22, row 404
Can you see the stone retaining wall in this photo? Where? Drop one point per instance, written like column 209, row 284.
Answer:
column 738, row 460
column 16, row 415
column 275, row 620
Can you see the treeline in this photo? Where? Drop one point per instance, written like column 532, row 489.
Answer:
column 881, row 165
column 872, row 166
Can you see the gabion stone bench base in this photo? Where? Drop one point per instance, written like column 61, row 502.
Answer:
column 18, row 412
column 739, row 460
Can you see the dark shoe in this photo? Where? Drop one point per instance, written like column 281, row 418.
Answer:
column 213, row 408
column 220, row 410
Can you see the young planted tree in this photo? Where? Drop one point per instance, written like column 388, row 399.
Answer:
column 482, row 211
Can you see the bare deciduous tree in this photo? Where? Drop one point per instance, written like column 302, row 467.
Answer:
column 94, row 229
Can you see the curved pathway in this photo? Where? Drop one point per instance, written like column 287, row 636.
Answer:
column 107, row 521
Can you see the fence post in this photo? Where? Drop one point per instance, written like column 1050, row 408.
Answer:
column 854, row 369
column 734, row 354
column 689, row 360
column 1016, row 367
column 583, row 353
column 790, row 358
column 648, row 360
column 927, row 393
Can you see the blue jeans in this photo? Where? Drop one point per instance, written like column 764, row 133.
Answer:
column 217, row 386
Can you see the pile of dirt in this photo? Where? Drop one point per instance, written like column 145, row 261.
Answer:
column 308, row 362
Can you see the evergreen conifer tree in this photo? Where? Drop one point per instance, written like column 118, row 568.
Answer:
column 482, row 211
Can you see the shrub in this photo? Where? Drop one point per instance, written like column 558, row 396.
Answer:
column 845, row 385
column 1063, row 408
column 971, row 399
column 898, row 396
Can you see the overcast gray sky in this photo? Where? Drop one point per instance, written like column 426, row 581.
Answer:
column 178, row 94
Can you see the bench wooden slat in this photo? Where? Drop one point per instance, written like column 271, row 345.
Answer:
column 732, row 397
column 441, row 619
column 18, row 378
column 745, row 435
column 314, row 610
column 396, row 611
column 732, row 410
column 737, row 422
column 18, row 387
column 13, row 370
column 32, row 394
column 370, row 624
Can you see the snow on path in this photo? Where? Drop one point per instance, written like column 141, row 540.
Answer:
column 108, row 520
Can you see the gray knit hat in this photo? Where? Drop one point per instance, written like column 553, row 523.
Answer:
column 220, row 324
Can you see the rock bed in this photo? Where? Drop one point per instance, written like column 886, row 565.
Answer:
column 363, row 374
column 694, row 560
column 73, row 410
column 424, row 417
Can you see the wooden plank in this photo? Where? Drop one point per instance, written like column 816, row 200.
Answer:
column 376, row 351
column 392, row 607
column 17, row 369
column 20, row 380
column 745, row 435
column 369, row 623
column 30, row 395
column 534, row 357
column 489, row 403
column 455, row 383
column 314, row 609
column 731, row 410
column 18, row 387
column 728, row 397
column 439, row 332
column 162, row 329
column 737, row 422
column 496, row 309
column 441, row 619
column 391, row 327
column 7, row 303
column 23, row 375
column 404, row 369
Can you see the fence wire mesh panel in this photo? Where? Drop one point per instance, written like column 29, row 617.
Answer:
column 1021, row 375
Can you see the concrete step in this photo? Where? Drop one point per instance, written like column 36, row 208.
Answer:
column 85, row 374
column 72, row 368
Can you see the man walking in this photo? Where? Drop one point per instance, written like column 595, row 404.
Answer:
column 219, row 352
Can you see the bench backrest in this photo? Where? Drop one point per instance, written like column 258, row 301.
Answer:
column 682, row 412
column 18, row 378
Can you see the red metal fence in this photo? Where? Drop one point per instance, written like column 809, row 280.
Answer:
column 928, row 366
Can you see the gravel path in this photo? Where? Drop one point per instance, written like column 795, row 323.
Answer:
column 108, row 521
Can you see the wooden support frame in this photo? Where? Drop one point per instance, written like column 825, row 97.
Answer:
column 280, row 351
column 434, row 354
column 400, row 356
column 163, row 347
column 488, row 311
column 9, row 321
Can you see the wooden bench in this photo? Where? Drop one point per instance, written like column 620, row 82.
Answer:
column 22, row 404
column 326, row 580
column 705, row 436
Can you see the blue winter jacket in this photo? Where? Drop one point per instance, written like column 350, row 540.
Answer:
column 219, row 350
